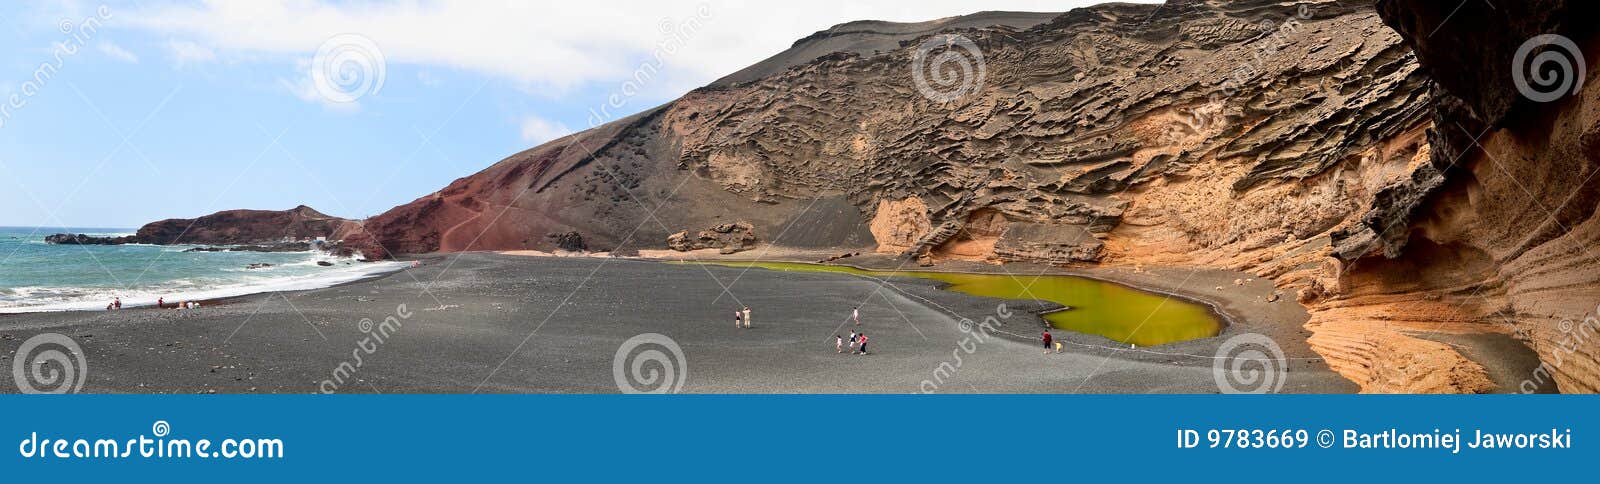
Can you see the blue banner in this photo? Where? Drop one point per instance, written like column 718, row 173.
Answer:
column 795, row 438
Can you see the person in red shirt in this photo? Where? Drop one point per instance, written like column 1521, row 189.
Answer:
column 863, row 339
column 1047, row 340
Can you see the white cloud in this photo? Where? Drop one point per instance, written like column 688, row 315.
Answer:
column 115, row 51
column 538, row 130
column 186, row 52
column 544, row 46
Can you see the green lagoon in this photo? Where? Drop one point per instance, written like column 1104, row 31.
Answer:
column 1107, row 309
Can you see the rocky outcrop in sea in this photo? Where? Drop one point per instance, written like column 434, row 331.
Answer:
column 236, row 231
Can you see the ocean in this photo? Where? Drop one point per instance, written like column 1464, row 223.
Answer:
column 35, row 276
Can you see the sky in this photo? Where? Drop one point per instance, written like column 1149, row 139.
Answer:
column 117, row 114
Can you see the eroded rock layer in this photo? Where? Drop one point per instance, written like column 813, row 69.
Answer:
column 1497, row 234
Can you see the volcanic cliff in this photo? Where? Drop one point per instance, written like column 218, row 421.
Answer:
column 1496, row 232
column 1301, row 141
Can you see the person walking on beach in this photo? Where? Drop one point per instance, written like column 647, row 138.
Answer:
column 738, row 319
column 863, row 339
column 853, row 338
column 747, row 316
column 838, row 343
column 855, row 314
column 1047, row 340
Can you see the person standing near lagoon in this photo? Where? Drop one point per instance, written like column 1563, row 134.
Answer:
column 747, row 316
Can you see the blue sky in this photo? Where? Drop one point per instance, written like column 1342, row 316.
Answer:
column 179, row 109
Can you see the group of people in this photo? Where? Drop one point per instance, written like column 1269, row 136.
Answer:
column 858, row 342
column 741, row 319
column 161, row 303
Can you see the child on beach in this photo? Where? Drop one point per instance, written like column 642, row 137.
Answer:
column 838, row 343
column 853, row 338
column 855, row 314
column 1047, row 340
column 738, row 319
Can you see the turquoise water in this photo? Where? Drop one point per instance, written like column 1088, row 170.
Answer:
column 35, row 276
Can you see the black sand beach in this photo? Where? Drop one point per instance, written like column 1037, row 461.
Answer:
column 493, row 323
